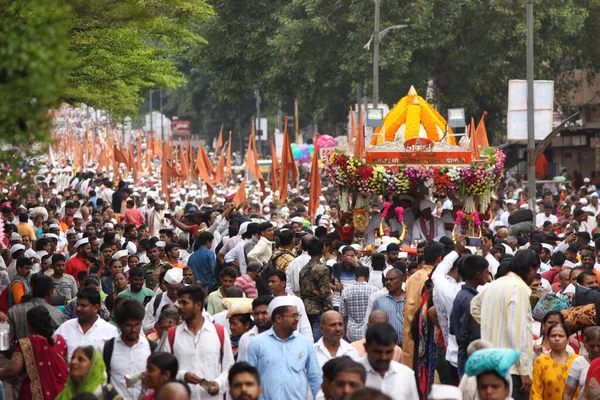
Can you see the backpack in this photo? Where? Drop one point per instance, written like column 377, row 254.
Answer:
column 6, row 299
column 157, row 301
column 220, row 332
column 109, row 347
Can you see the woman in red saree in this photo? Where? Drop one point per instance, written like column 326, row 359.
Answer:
column 41, row 357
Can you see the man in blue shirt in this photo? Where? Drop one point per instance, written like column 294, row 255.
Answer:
column 474, row 270
column 203, row 260
column 392, row 303
column 286, row 360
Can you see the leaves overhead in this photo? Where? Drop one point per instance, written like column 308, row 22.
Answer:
column 467, row 49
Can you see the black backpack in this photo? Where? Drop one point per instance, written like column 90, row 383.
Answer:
column 109, row 347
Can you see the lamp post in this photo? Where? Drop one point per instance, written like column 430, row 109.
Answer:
column 530, row 111
column 376, row 38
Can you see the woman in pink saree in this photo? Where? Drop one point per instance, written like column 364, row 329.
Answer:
column 41, row 357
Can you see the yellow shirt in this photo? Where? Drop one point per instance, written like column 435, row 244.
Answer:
column 549, row 377
column 25, row 229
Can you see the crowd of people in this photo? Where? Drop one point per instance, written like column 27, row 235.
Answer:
column 112, row 292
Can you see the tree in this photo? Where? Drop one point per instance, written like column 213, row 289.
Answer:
column 124, row 48
column 34, row 62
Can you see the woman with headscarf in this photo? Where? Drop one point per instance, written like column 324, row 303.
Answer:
column 87, row 374
column 491, row 368
column 41, row 357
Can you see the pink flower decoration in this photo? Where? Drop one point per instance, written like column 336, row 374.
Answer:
column 399, row 213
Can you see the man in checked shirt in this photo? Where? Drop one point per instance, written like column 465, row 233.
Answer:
column 354, row 302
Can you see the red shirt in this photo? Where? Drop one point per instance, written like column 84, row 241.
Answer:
column 134, row 216
column 74, row 266
column 245, row 283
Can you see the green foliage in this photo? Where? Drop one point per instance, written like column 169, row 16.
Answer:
column 124, row 48
column 34, row 62
column 313, row 50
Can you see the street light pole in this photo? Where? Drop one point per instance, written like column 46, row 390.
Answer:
column 376, row 57
column 530, row 111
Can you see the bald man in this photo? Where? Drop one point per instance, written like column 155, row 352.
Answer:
column 331, row 344
column 376, row 317
column 174, row 391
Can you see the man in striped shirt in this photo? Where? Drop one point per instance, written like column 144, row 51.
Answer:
column 246, row 281
column 504, row 312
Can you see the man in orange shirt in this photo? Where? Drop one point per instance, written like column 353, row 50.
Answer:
column 172, row 255
column 78, row 264
column 24, row 228
column 19, row 285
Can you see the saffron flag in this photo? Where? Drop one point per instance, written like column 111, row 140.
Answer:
column 219, row 176
column 288, row 165
column 540, row 166
column 120, row 156
column 228, row 173
column 359, row 148
column 203, row 172
column 479, row 138
column 240, row 196
column 219, row 140
column 315, row 181
column 275, row 167
column 207, row 164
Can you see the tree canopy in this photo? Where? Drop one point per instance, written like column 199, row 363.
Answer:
column 313, row 50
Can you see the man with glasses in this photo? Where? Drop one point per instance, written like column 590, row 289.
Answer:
column 286, row 360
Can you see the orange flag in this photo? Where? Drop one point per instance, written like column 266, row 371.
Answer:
column 207, row 164
column 481, row 139
column 287, row 165
column 240, row 195
column 315, row 181
column 229, row 172
column 359, row 149
column 219, row 140
column 352, row 126
column 120, row 157
column 158, row 147
column 219, row 176
column 133, row 166
column 540, row 166
column 474, row 146
column 275, row 167
column 252, row 162
column 203, row 172
column 167, row 171
column 184, row 161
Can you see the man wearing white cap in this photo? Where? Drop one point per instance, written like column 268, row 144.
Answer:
column 427, row 227
column 173, row 279
column 286, row 360
column 156, row 221
column 78, row 263
column 511, row 205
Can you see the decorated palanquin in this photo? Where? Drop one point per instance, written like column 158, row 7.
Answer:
column 416, row 153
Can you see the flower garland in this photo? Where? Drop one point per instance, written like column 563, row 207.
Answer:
column 356, row 176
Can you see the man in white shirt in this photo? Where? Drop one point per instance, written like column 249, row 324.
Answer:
column 173, row 279
column 427, row 227
column 88, row 329
column 277, row 285
column 384, row 374
column 127, row 354
column 293, row 272
column 262, row 323
column 545, row 216
column 511, row 205
column 202, row 349
column 263, row 250
column 331, row 344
